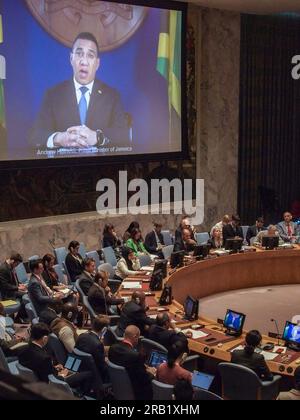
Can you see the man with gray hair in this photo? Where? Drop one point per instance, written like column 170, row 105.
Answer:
column 271, row 232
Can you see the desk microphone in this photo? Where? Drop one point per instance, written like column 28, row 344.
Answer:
column 278, row 333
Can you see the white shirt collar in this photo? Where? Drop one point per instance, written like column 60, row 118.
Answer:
column 89, row 86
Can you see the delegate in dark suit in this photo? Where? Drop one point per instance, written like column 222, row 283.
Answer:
column 8, row 283
column 151, row 243
column 230, row 232
column 133, row 314
column 36, row 359
column 101, row 301
column 252, row 232
column 90, row 343
column 86, row 281
column 255, row 362
column 166, row 337
column 74, row 267
column 38, row 295
column 60, row 111
column 122, row 354
column 180, row 245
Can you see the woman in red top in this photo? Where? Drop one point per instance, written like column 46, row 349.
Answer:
column 172, row 371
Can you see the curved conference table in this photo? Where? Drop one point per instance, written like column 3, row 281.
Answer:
column 237, row 271
column 232, row 272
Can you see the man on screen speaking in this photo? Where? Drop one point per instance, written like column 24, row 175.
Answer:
column 81, row 113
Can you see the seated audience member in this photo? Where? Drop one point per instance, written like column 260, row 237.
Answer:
column 127, row 234
column 39, row 293
column 216, row 240
column 253, row 231
column 250, row 359
column 183, row 391
column 9, row 285
column 52, row 312
column 185, row 242
column 184, row 224
column 162, row 332
column 125, row 354
column 172, row 371
column 128, row 265
column 233, row 230
column 74, row 261
column 224, row 222
column 154, row 241
column 87, row 278
column 11, row 345
column 134, row 312
column 10, row 289
column 272, row 231
column 36, row 359
column 110, row 238
column 136, row 243
column 100, row 296
column 49, row 274
column 91, row 342
column 64, row 327
column 293, row 394
column 288, row 230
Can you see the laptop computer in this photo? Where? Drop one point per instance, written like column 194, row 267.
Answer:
column 72, row 364
column 202, row 380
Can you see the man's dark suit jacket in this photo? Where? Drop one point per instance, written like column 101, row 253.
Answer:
column 100, row 301
column 255, row 362
column 74, row 267
column 36, row 359
column 60, row 111
column 181, row 246
column 85, row 282
column 90, row 343
column 229, row 232
column 252, row 232
column 133, row 314
column 8, row 286
column 166, row 337
column 122, row 354
column 38, row 295
column 151, row 242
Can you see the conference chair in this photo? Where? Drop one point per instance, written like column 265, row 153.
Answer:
column 33, row 258
column 95, row 256
column 168, row 240
column 245, row 230
column 162, row 392
column 167, row 251
column 111, row 337
column 66, row 271
column 31, row 313
column 62, row 385
column 26, row 373
column 145, row 260
column 202, row 238
column 57, row 349
column 203, row 395
column 21, row 274
column 242, row 384
column 150, row 345
column 121, row 383
column 12, row 309
column 82, row 249
column 60, row 254
column 110, row 256
column 59, row 271
column 7, row 366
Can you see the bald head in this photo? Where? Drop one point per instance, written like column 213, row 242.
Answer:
column 132, row 334
column 163, row 320
column 186, row 235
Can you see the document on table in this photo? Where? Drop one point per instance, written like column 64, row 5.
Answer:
column 131, row 285
column 196, row 334
column 148, row 268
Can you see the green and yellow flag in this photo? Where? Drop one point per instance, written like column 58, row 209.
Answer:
column 169, row 56
column 2, row 72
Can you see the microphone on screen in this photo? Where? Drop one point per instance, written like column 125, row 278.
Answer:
column 277, row 328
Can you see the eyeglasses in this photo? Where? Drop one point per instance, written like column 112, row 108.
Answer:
column 79, row 55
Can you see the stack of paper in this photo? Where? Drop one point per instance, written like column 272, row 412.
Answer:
column 196, row 334
column 131, row 285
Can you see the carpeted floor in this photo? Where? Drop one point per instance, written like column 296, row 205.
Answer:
column 259, row 304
